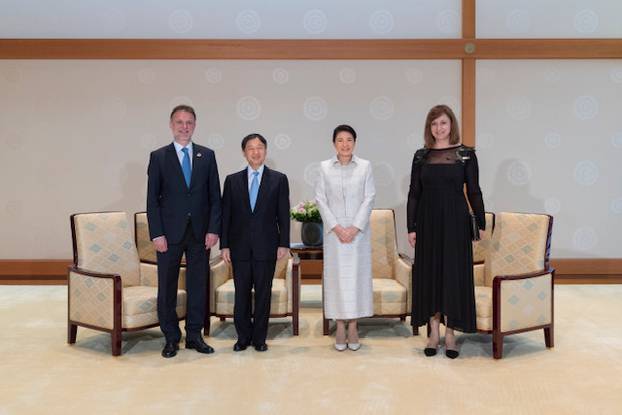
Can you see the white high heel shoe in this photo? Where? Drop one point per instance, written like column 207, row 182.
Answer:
column 341, row 347
column 354, row 346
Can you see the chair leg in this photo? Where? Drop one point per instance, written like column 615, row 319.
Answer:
column 325, row 326
column 497, row 345
column 72, row 331
column 548, row 337
column 116, row 342
column 295, row 324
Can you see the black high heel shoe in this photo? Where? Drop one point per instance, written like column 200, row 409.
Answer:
column 430, row 351
column 452, row 354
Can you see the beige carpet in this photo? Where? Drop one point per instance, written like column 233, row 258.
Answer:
column 40, row 373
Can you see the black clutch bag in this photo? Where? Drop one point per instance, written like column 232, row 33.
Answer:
column 474, row 227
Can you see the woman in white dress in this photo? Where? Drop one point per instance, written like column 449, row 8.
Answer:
column 345, row 195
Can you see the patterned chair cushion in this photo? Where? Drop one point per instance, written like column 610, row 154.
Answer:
column 105, row 245
column 517, row 246
column 225, row 297
column 390, row 297
column 383, row 243
column 140, row 306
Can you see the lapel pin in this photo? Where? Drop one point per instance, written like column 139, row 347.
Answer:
column 199, row 155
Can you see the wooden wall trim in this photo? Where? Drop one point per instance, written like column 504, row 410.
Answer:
column 468, row 19
column 34, row 267
column 568, row 270
column 298, row 49
column 231, row 49
column 548, row 48
column 468, row 102
column 587, row 266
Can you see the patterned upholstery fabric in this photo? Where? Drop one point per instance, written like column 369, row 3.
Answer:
column 225, row 297
column 146, row 251
column 220, row 272
column 517, row 246
column 390, row 297
column 526, row 303
column 483, row 307
column 403, row 275
column 478, row 275
column 105, row 245
column 281, row 267
column 383, row 243
column 91, row 300
column 140, row 306
column 222, row 289
column 149, row 275
column 481, row 247
column 392, row 276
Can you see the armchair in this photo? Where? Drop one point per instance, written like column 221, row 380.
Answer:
column 109, row 288
column 285, row 300
column 516, row 293
column 391, row 272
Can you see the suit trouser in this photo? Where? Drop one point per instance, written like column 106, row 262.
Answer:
column 246, row 275
column 197, row 276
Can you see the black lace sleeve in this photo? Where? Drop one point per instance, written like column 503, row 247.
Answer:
column 414, row 191
column 474, row 193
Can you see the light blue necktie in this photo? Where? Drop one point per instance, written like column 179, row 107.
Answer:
column 185, row 166
column 254, row 190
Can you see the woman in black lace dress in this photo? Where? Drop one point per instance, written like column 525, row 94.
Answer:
column 439, row 230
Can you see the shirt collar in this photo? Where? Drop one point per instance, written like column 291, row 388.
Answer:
column 354, row 160
column 249, row 170
column 178, row 146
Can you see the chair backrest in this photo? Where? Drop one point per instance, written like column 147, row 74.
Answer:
column 146, row 251
column 103, row 242
column 383, row 243
column 281, row 268
column 520, row 244
column 481, row 247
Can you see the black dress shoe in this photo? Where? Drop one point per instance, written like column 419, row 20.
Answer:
column 452, row 354
column 261, row 347
column 170, row 349
column 239, row 346
column 199, row 345
column 429, row 351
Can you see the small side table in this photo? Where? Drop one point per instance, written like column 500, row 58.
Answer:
column 311, row 256
column 311, row 260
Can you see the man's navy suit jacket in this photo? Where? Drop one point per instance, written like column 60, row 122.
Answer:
column 170, row 202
